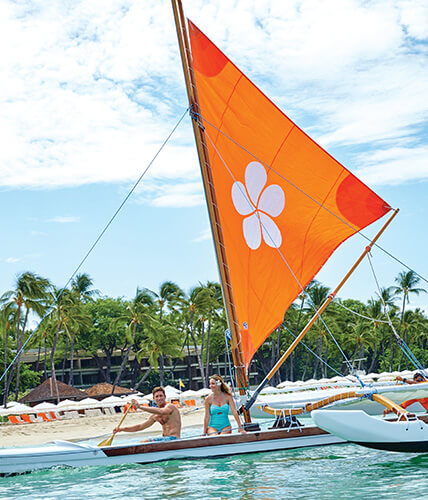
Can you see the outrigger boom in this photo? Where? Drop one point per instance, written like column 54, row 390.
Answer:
column 316, row 316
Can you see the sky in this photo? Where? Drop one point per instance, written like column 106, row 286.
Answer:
column 91, row 89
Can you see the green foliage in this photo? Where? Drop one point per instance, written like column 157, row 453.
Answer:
column 160, row 325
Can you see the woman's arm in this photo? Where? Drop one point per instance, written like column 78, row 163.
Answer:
column 235, row 413
column 207, row 414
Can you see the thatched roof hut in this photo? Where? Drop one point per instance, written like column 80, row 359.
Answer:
column 47, row 391
column 103, row 390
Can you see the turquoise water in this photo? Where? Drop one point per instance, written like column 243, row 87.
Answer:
column 327, row 472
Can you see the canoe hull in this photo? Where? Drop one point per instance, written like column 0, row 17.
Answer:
column 365, row 430
column 62, row 453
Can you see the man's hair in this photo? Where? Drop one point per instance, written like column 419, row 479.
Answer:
column 157, row 389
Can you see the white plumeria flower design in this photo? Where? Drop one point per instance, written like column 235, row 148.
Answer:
column 259, row 204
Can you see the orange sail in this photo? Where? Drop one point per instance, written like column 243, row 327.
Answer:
column 285, row 204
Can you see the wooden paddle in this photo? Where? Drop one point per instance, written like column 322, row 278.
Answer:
column 108, row 441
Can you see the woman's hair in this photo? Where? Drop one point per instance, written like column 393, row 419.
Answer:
column 223, row 387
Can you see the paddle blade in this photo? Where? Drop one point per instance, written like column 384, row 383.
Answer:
column 107, row 442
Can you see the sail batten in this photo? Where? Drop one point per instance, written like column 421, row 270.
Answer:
column 284, row 203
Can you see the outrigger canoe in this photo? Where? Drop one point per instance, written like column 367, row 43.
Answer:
column 65, row 453
column 406, row 435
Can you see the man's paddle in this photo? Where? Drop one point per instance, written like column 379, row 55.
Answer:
column 108, row 441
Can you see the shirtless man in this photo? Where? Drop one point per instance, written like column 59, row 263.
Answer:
column 166, row 414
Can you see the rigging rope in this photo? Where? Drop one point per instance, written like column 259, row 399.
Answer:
column 402, row 344
column 339, row 303
column 96, row 241
column 314, row 353
column 201, row 118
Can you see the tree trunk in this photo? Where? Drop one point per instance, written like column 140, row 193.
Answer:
column 371, row 368
column 71, row 374
column 6, row 383
column 305, row 368
column 198, row 355
column 45, row 361
column 18, row 347
column 161, row 370
column 64, row 360
column 100, row 368
column 53, row 374
column 207, row 365
column 143, row 378
column 122, row 366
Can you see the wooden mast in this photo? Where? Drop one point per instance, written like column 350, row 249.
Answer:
column 198, row 129
column 317, row 314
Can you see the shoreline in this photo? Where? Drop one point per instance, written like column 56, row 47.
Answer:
column 86, row 428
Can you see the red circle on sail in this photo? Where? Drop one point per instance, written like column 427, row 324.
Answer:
column 207, row 58
column 358, row 203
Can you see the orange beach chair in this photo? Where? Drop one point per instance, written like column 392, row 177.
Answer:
column 14, row 420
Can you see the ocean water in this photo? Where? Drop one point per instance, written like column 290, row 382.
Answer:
column 326, row 472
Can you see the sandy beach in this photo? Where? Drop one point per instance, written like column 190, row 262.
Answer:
column 85, row 428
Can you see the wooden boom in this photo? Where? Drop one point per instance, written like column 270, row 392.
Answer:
column 317, row 314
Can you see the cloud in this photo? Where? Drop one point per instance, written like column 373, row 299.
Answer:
column 37, row 233
column 182, row 194
column 12, row 260
column 63, row 219
column 396, row 165
column 203, row 236
column 90, row 90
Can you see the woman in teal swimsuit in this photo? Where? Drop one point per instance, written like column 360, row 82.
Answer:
column 217, row 407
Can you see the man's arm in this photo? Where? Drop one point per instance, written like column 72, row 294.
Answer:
column 139, row 427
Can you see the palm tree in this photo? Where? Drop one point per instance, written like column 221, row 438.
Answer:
column 7, row 314
column 170, row 295
column 386, row 297
column 137, row 314
column 160, row 340
column 194, row 307
column 66, row 317
column 29, row 294
column 81, row 286
column 407, row 281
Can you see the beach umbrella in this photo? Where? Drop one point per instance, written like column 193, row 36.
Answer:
column 113, row 401
column 20, row 408
column 11, row 404
column 171, row 389
column 88, row 403
column 45, row 406
column 66, row 403
column 204, row 392
column 189, row 394
column 140, row 399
